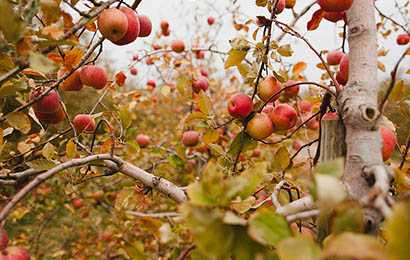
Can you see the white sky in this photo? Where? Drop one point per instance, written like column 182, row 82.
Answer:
column 179, row 13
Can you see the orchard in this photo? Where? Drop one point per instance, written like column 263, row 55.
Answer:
column 128, row 135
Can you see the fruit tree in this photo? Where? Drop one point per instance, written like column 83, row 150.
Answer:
column 269, row 144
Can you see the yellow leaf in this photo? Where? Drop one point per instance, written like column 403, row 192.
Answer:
column 210, row 136
column 165, row 90
column 381, row 66
column 235, row 58
column 71, row 148
column 285, row 50
column 204, row 103
column 48, row 151
column 19, row 121
column 282, row 158
column 299, row 68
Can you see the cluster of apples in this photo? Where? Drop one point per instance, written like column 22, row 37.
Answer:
column 280, row 118
column 339, row 58
column 13, row 252
column 335, row 10
column 122, row 26
column 90, row 75
column 48, row 109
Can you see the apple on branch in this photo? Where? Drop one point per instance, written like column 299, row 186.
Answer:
column 260, row 126
column 240, row 105
column 112, row 24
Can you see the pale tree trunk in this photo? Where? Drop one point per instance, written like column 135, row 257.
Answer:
column 359, row 108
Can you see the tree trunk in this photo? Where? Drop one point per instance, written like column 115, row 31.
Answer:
column 359, row 107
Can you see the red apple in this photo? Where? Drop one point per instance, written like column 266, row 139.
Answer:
column 297, row 144
column 268, row 87
column 200, row 55
column 334, row 16
column 256, row 153
column 283, row 117
column 329, row 116
column 166, row 33
column 334, row 57
column 210, row 20
column 290, row 3
column 340, row 79
column 240, row 105
column 177, row 62
column 112, row 24
column 112, row 196
column 335, row 5
column 83, row 123
column 268, row 109
column 93, row 76
column 201, row 83
column 145, row 25
column 260, row 126
column 304, row 230
column 135, row 57
column 196, row 108
column 133, row 71
column 280, row 6
column 201, row 149
column 178, row 46
column 403, row 39
column 85, row 213
column 149, row 61
column 292, row 91
column 98, row 195
column 107, row 236
column 344, row 67
column 389, row 142
column 14, row 253
column 305, row 106
column 48, row 104
column 154, row 99
column 164, row 26
column 73, row 82
column 133, row 28
column 143, row 140
column 78, row 203
column 53, row 118
column 156, row 46
column 190, row 138
column 4, row 240
column 151, row 83
column 204, row 72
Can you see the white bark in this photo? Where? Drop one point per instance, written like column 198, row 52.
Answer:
column 358, row 104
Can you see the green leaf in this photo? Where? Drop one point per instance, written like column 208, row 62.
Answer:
column 398, row 231
column 12, row 26
column 213, row 238
column 285, row 50
column 19, row 121
column 41, row 165
column 244, row 248
column 12, row 87
column 334, row 168
column 134, row 145
column 234, row 148
column 41, row 63
column 268, row 228
column 355, row 246
column 135, row 250
column 125, row 116
column 235, row 58
column 404, row 109
column 216, row 149
column 298, row 248
column 242, row 206
column 347, row 216
column 204, row 103
column 181, row 83
column 175, row 161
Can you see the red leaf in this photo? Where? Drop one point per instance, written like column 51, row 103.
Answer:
column 317, row 17
column 120, row 78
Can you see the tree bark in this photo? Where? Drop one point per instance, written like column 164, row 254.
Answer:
column 359, row 107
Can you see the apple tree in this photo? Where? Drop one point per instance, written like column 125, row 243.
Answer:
column 189, row 151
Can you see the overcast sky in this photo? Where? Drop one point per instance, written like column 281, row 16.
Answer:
column 179, row 13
